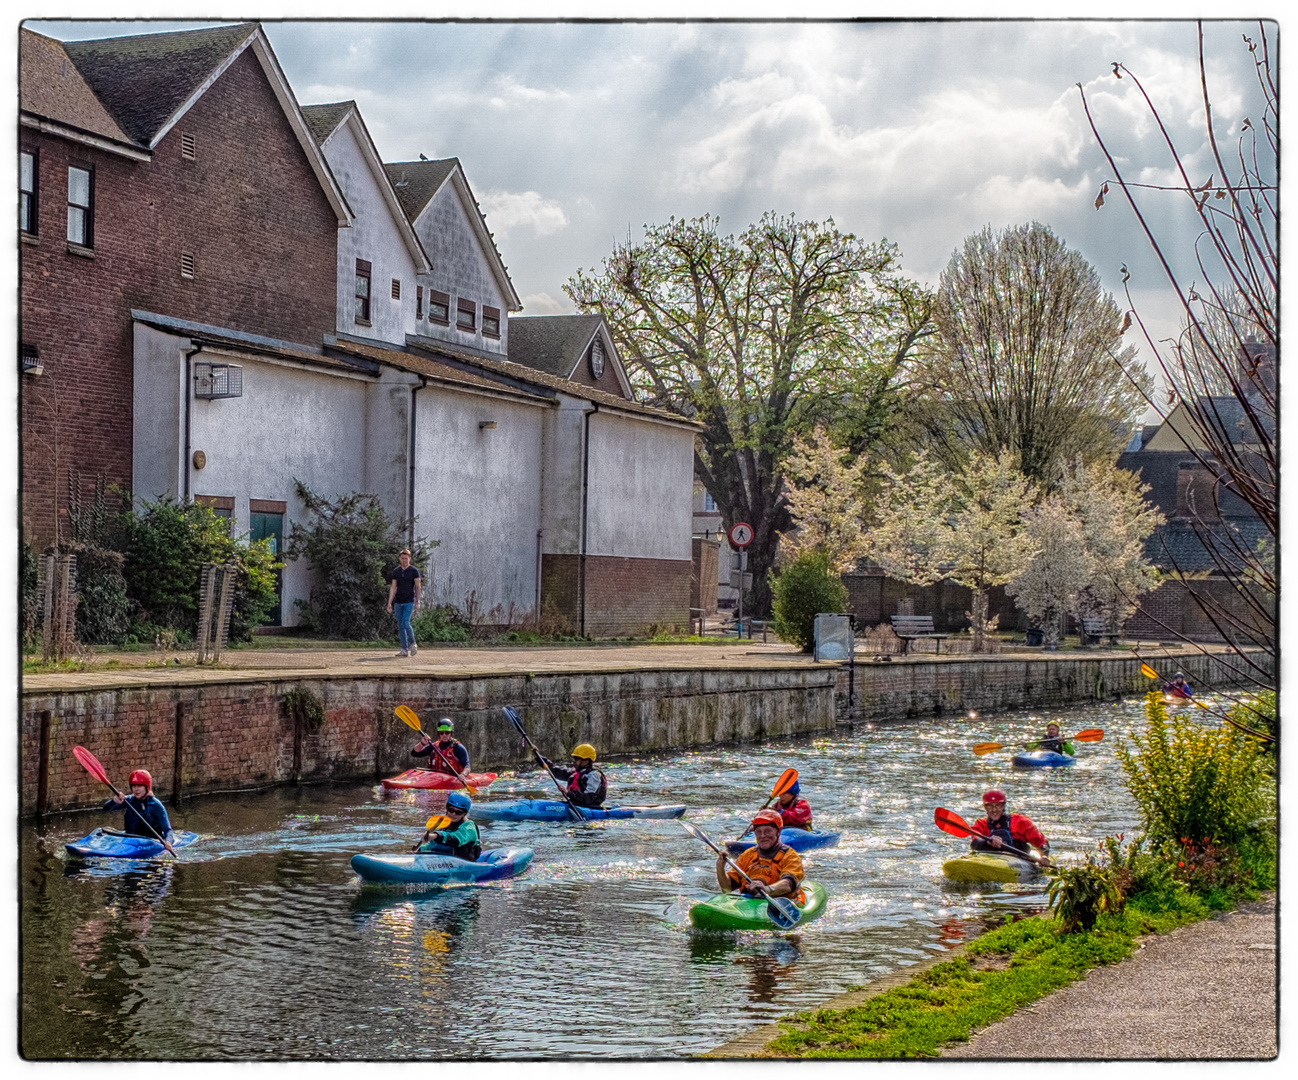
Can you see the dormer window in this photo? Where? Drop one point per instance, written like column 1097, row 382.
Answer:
column 439, row 307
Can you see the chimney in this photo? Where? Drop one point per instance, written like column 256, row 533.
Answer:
column 1194, row 491
column 1256, row 367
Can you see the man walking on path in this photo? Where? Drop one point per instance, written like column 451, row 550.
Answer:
column 403, row 600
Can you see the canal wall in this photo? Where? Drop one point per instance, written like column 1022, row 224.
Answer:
column 913, row 687
column 231, row 731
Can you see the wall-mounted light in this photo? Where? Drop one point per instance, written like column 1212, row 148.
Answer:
column 486, row 425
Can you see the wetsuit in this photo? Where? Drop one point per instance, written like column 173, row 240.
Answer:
column 141, row 814
column 797, row 815
column 461, row 842
column 586, row 788
column 1013, row 829
column 1056, row 743
column 455, row 752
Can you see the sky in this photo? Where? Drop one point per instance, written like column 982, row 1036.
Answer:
column 573, row 136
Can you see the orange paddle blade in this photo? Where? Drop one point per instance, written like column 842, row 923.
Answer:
column 986, row 747
column 950, row 822
column 787, row 779
column 1091, row 734
column 437, row 821
column 91, row 764
column 1148, row 671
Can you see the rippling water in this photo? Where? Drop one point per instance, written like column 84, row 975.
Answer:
column 260, row 943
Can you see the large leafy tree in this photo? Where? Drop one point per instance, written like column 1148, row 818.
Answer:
column 759, row 337
column 1023, row 356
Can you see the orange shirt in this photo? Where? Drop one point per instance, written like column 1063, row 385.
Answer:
column 784, row 863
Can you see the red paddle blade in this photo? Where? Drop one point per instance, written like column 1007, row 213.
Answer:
column 950, row 822
column 91, row 763
column 1091, row 734
column 787, row 779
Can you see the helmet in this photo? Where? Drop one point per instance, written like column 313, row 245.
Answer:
column 1179, row 675
column 793, row 788
column 458, row 800
column 141, row 776
column 767, row 817
column 444, row 724
column 585, row 750
column 995, row 795
column 1052, row 724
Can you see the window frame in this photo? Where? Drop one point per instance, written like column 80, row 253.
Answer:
column 88, row 209
column 29, row 200
column 419, row 301
column 490, row 314
column 466, row 307
column 438, row 299
column 362, row 302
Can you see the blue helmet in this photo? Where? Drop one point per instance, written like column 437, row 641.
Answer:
column 457, row 800
column 795, row 787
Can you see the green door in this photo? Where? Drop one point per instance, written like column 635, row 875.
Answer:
column 271, row 527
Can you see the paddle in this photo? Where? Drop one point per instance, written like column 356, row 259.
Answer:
column 779, row 909
column 787, row 779
column 92, row 766
column 950, row 822
column 436, row 822
column 512, row 716
column 407, row 716
column 1150, row 673
column 1092, row 734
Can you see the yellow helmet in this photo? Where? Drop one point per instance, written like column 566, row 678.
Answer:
column 585, row 750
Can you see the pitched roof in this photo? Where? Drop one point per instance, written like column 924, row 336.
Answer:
column 239, row 341
column 143, row 80
column 551, row 343
column 51, row 86
column 1193, row 547
column 429, row 367
column 416, row 182
column 322, row 120
column 1159, row 469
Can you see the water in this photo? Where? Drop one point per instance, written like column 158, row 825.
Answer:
column 260, row 943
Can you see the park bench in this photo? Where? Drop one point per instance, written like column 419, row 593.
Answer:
column 1094, row 629
column 911, row 627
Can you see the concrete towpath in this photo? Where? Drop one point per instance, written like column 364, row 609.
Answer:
column 1207, row 990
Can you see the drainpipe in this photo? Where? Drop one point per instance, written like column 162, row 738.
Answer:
column 189, row 397
column 410, row 497
column 585, row 504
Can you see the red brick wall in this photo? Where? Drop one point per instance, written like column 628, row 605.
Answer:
column 264, row 238
column 624, row 597
column 872, row 598
column 1171, row 611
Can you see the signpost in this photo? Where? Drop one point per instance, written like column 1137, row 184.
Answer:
column 741, row 535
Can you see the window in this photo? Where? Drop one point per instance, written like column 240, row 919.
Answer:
column 490, row 321
column 419, row 301
column 187, row 145
column 439, row 307
column 709, row 503
column 363, row 270
column 187, row 264
column 466, row 315
column 80, row 206
column 396, row 289
column 27, row 196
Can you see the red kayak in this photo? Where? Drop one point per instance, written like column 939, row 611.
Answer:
column 427, row 780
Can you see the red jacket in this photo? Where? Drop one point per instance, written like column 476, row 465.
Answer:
column 1025, row 834
column 797, row 815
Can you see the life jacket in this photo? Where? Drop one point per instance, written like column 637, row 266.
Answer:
column 1013, row 829
column 435, row 762
column 797, row 815
column 581, row 797
column 1052, row 742
column 469, row 850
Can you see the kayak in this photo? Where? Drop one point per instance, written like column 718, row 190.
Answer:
column 428, row 780
column 798, row 839
column 731, row 911
column 557, row 810
column 491, row 865
column 988, row 866
column 1039, row 759
column 108, row 844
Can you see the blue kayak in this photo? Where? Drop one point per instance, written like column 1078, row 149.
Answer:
column 798, row 839
column 557, row 810
column 1042, row 759
column 108, row 844
column 491, row 865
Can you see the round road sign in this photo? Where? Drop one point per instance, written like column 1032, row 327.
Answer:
column 741, row 534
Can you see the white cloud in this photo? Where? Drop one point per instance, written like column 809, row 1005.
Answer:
column 543, row 303
column 506, row 210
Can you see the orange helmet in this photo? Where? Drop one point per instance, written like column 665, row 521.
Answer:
column 141, row 776
column 767, row 817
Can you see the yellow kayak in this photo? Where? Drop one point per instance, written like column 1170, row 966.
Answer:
column 988, row 866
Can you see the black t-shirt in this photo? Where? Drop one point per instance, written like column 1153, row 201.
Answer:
column 405, row 580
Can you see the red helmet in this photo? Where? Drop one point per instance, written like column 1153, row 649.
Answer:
column 767, row 817
column 995, row 795
column 141, row 776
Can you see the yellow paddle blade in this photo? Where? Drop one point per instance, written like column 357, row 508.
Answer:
column 407, row 716
column 986, row 747
column 437, row 821
column 1148, row 671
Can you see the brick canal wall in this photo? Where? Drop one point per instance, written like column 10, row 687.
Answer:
column 230, row 732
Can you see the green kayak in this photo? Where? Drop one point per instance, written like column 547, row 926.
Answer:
column 986, row 866
column 730, row 911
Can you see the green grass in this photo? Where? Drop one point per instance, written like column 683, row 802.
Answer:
column 1002, row 971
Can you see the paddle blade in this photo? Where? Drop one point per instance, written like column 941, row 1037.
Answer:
column 511, row 714
column 787, row 779
column 407, row 716
column 1091, row 734
column 783, row 912
column 951, row 822
column 1148, row 671
column 437, row 821
column 91, row 764
column 986, row 748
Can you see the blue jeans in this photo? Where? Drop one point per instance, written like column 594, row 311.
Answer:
column 404, row 632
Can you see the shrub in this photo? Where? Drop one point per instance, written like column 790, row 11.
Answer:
column 27, row 577
column 302, row 707
column 802, row 590
column 1259, row 714
column 441, row 622
column 1081, row 894
column 104, row 610
column 352, row 546
column 1194, row 783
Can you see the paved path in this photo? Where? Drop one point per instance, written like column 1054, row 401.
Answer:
column 1207, row 990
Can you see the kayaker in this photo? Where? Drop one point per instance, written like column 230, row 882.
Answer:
column 776, row 869
column 1178, row 687
column 795, row 812
column 453, row 752
column 999, row 829
column 460, row 838
column 145, row 815
column 1054, row 741
column 587, row 785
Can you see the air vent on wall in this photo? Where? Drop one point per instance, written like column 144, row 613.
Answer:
column 396, row 289
column 218, row 380
column 187, row 145
column 187, row 264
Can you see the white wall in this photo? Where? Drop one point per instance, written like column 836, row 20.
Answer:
column 478, row 491
column 564, row 432
column 158, row 398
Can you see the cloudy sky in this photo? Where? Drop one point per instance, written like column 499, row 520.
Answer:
column 574, row 135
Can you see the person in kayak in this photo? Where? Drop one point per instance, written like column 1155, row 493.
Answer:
column 775, row 868
column 587, row 785
column 145, row 815
column 795, row 812
column 452, row 751
column 1178, row 687
column 1053, row 741
column 459, row 838
column 999, row 829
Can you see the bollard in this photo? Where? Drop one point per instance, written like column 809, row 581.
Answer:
column 43, row 768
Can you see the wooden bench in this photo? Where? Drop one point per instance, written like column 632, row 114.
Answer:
column 1095, row 629
column 912, row 627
